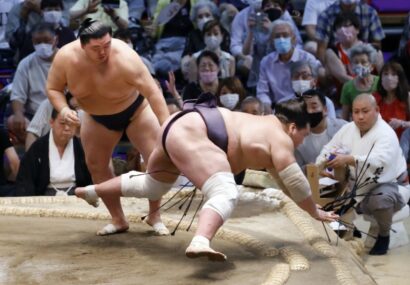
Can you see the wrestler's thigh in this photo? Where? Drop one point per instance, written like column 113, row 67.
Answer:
column 161, row 167
column 143, row 130
column 98, row 141
column 192, row 152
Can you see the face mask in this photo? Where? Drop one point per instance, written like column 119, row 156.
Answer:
column 273, row 14
column 255, row 4
column 390, row 82
column 201, row 22
column 282, row 45
column 229, row 100
column 213, row 42
column 52, row 17
column 44, row 51
column 208, row 76
column 300, row 86
column 315, row 119
column 361, row 70
column 346, row 34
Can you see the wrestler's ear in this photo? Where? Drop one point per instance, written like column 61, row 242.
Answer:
column 292, row 129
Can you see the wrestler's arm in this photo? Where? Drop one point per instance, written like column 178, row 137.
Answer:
column 291, row 176
column 56, row 83
column 145, row 84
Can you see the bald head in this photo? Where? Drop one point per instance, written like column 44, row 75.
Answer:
column 365, row 112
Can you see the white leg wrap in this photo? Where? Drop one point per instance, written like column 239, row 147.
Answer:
column 294, row 180
column 141, row 185
column 221, row 193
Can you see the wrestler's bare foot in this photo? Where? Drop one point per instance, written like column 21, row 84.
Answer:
column 88, row 194
column 195, row 251
column 154, row 220
column 111, row 229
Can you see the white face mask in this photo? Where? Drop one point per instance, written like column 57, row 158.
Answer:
column 44, row 51
column 213, row 42
column 300, row 86
column 229, row 100
column 201, row 22
column 53, row 17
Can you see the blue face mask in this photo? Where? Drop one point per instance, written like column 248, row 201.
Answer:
column 282, row 45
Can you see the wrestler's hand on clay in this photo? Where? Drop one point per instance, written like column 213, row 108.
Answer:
column 70, row 116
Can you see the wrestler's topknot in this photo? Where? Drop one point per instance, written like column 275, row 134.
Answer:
column 92, row 29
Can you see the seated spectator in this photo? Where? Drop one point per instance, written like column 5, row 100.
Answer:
column 392, row 97
column 171, row 35
column 228, row 12
column 173, row 106
column 311, row 13
column 230, row 93
column 362, row 58
column 346, row 28
column 5, row 8
column 52, row 12
column 405, row 36
column 208, row 70
column 54, row 164
column 7, row 149
column 304, row 78
column 373, row 150
column 40, row 124
column 252, row 105
column 213, row 36
column 274, row 83
column 404, row 59
column 116, row 18
column 322, row 128
column 30, row 79
column 371, row 30
column 125, row 36
column 242, row 24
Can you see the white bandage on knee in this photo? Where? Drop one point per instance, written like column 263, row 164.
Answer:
column 142, row 185
column 221, row 193
column 294, row 180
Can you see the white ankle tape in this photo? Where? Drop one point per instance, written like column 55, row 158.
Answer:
column 142, row 185
column 201, row 240
column 222, row 194
column 90, row 193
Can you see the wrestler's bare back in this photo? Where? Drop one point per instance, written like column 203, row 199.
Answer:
column 257, row 142
column 101, row 88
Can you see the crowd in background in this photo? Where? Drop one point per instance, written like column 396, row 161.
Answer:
column 251, row 54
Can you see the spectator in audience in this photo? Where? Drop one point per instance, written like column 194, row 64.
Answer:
column 405, row 36
column 115, row 18
column 172, row 105
column 392, row 97
column 201, row 12
column 362, row 57
column 311, row 13
column 55, row 163
column 322, row 128
column 5, row 8
column 40, row 124
column 373, row 149
column 304, row 78
column 228, row 12
column 125, row 36
column 213, row 36
column 30, row 79
column 171, row 34
column 244, row 21
column 404, row 59
column 274, row 83
column 52, row 12
column 346, row 28
column 252, row 105
column 371, row 30
column 230, row 93
column 7, row 149
column 208, row 70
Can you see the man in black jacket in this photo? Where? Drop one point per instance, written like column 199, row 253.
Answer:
column 54, row 164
